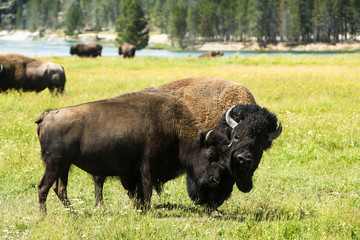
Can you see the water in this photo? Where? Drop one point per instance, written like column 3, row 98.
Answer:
column 62, row 48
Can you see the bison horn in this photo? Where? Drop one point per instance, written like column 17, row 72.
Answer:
column 207, row 137
column 1, row 68
column 275, row 134
column 231, row 122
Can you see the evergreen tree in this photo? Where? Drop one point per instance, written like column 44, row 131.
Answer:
column 193, row 22
column 242, row 19
column 74, row 18
column 294, row 20
column 178, row 30
column 18, row 18
column 131, row 25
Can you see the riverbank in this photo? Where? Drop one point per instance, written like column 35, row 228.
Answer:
column 164, row 41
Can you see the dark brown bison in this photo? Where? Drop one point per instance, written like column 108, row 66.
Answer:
column 86, row 50
column 212, row 54
column 251, row 130
column 208, row 98
column 128, row 50
column 27, row 74
column 146, row 139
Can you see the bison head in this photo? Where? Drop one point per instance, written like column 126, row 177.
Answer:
column 120, row 50
column 210, row 159
column 73, row 50
column 251, row 130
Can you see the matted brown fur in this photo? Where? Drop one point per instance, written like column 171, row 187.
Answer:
column 208, row 98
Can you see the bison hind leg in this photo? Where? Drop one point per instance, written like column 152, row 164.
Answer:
column 59, row 187
column 52, row 173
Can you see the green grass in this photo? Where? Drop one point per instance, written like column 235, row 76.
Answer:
column 307, row 185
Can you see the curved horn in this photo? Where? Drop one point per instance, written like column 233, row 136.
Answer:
column 275, row 134
column 1, row 68
column 207, row 137
column 231, row 122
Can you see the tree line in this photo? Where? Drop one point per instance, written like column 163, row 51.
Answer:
column 189, row 22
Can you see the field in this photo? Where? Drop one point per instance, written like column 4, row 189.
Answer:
column 306, row 187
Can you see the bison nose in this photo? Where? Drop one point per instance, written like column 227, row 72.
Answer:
column 213, row 182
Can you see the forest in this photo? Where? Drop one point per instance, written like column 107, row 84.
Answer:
column 192, row 21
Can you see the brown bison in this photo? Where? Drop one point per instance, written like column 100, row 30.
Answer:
column 208, row 98
column 27, row 74
column 212, row 54
column 86, row 50
column 144, row 138
column 128, row 50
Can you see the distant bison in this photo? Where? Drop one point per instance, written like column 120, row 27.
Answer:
column 128, row 50
column 27, row 74
column 250, row 128
column 86, row 50
column 146, row 139
column 212, row 54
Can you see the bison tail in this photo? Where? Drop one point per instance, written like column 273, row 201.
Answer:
column 39, row 120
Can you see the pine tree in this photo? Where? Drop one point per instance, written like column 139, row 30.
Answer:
column 131, row 25
column 193, row 22
column 178, row 30
column 74, row 18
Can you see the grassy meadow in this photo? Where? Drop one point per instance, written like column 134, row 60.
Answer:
column 306, row 187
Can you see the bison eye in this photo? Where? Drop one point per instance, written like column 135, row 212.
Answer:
column 211, row 155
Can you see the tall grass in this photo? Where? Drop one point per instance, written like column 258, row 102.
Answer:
column 307, row 185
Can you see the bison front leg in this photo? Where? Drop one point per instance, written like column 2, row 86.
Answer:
column 99, row 185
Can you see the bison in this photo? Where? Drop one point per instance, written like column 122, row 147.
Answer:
column 86, row 50
column 212, row 54
column 146, row 139
column 27, row 74
column 208, row 98
column 128, row 50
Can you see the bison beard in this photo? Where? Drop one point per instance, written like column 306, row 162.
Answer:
column 145, row 139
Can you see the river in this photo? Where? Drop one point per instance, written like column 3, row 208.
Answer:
column 62, row 48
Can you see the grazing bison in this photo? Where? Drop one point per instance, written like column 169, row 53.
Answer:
column 146, row 139
column 128, row 50
column 86, row 50
column 27, row 74
column 212, row 54
column 208, row 98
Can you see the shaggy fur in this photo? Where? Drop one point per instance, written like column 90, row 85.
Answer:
column 208, row 97
column 28, row 74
